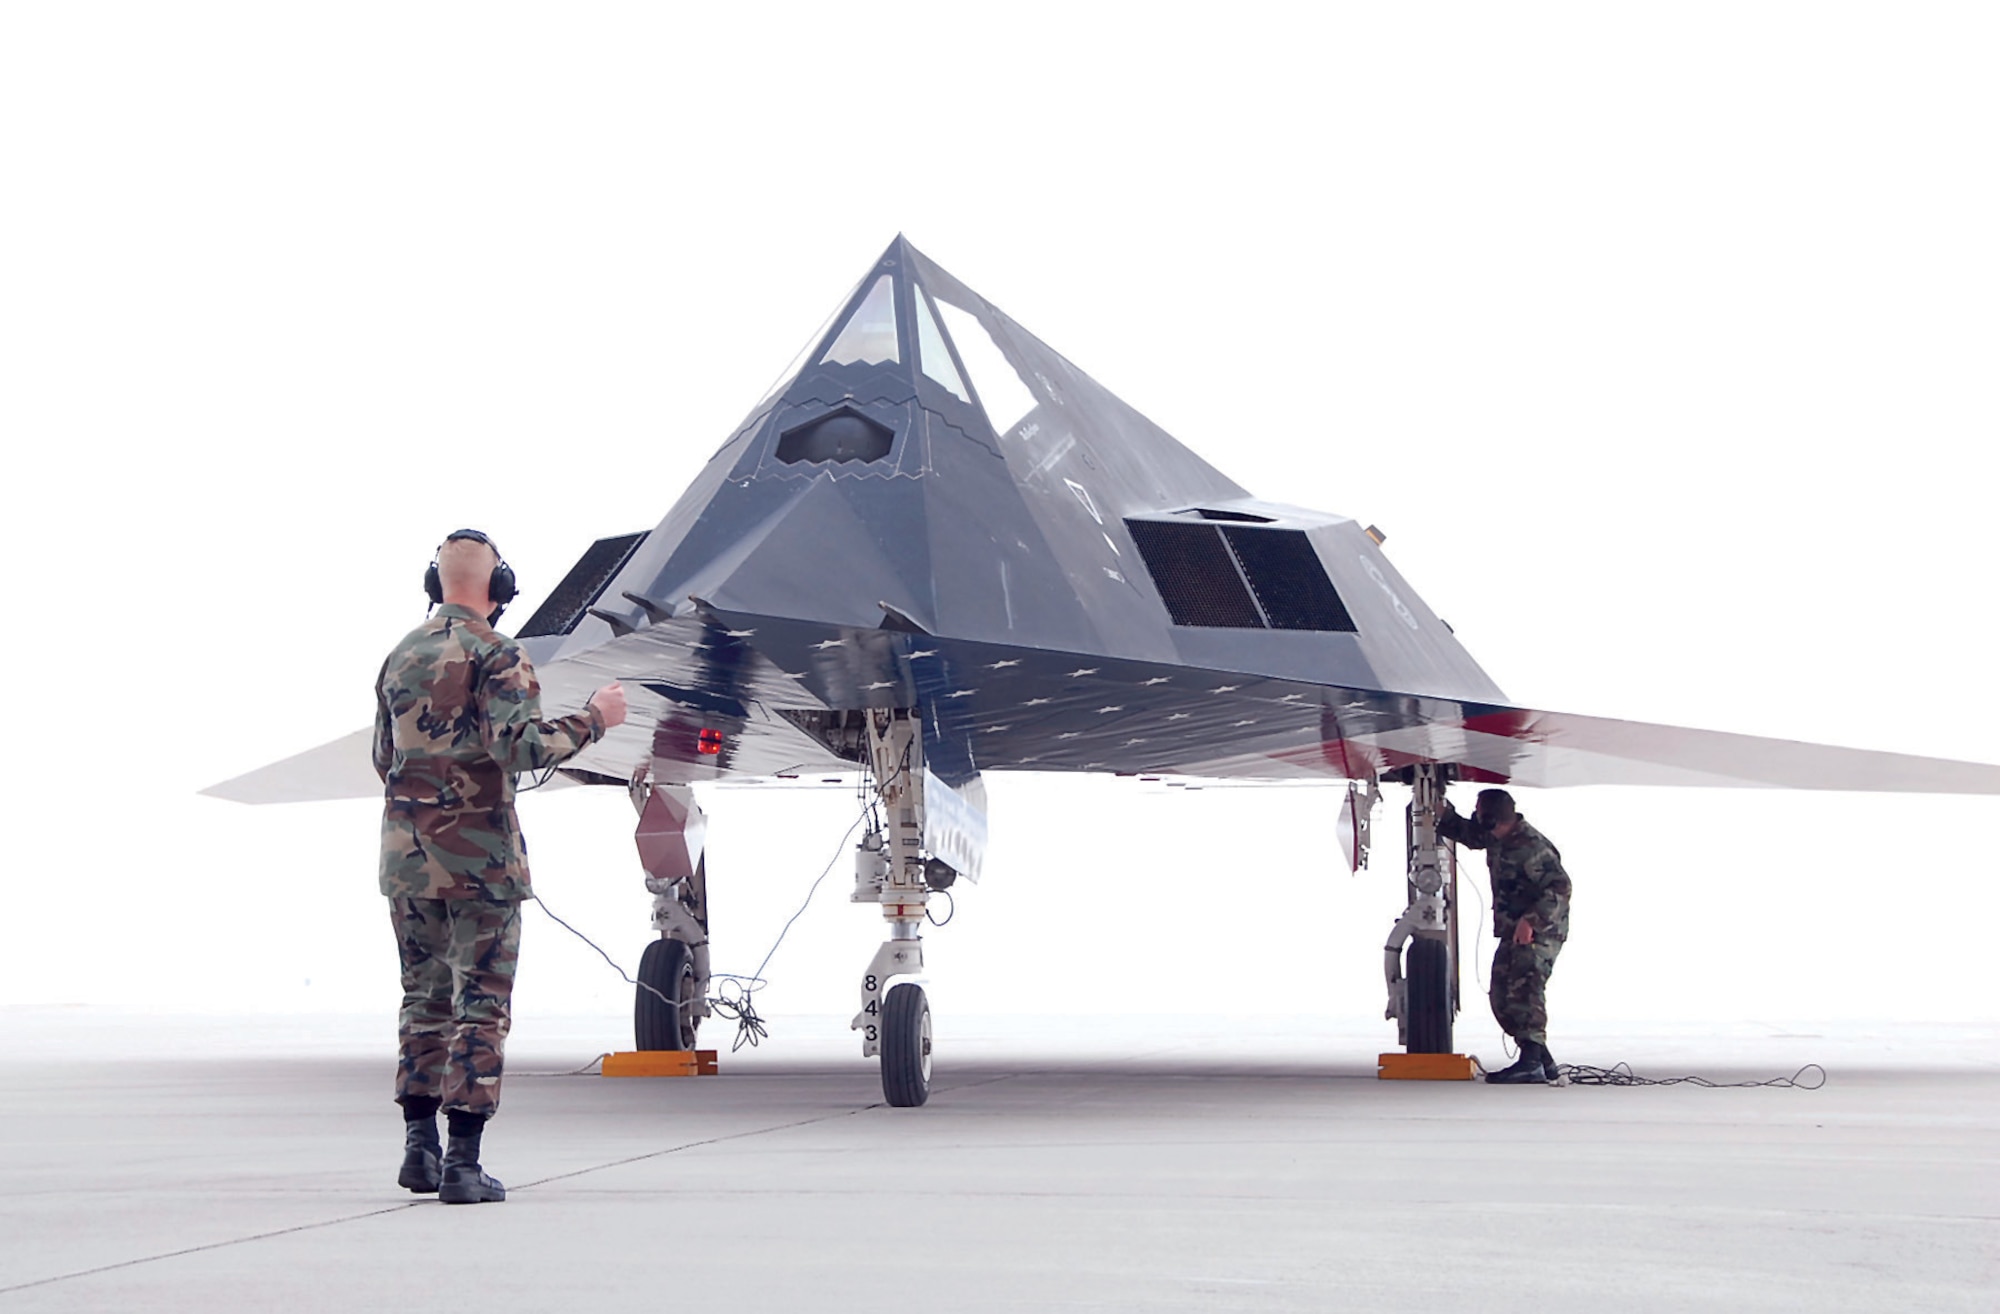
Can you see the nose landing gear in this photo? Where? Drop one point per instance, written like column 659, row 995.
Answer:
column 890, row 869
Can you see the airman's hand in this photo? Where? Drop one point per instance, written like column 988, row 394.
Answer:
column 610, row 704
column 1524, row 932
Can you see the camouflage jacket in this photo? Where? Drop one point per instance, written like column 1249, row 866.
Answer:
column 1527, row 875
column 457, row 712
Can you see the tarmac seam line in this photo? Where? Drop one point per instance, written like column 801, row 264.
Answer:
column 417, row 1204
column 695, row 1145
column 211, row 1245
column 744, row 1135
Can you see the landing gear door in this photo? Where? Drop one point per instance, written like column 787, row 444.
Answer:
column 1357, row 812
column 955, row 824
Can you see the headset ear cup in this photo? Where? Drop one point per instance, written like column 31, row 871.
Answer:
column 433, row 586
column 500, row 586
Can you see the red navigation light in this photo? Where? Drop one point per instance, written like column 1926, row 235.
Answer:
column 710, row 742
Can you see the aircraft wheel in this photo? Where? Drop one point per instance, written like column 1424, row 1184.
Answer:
column 668, row 967
column 906, row 1046
column 1428, row 998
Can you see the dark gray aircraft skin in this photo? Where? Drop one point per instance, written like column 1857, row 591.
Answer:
column 937, row 511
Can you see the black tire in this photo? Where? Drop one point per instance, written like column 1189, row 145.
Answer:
column 1427, row 972
column 668, row 967
column 906, row 1046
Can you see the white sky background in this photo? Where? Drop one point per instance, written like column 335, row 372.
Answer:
column 1661, row 342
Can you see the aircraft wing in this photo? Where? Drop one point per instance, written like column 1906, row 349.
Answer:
column 680, row 678
column 991, row 707
column 761, row 685
column 339, row 768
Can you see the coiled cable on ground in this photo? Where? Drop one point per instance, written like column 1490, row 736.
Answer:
column 1621, row 1074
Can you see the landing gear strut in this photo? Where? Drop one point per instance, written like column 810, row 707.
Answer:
column 672, row 996
column 889, row 869
column 1424, row 998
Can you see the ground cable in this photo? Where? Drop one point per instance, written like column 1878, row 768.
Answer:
column 750, row 1027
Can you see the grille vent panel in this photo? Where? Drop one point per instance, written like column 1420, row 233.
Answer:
column 1195, row 574
column 1239, row 576
column 1286, row 575
column 581, row 588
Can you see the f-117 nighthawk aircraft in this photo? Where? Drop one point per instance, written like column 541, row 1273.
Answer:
column 937, row 548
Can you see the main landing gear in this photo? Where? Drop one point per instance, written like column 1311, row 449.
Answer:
column 890, row 869
column 1423, row 989
column 671, row 998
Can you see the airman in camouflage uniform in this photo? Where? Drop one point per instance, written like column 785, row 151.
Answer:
column 1530, row 915
column 458, row 713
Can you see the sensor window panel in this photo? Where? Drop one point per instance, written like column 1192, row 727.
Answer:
column 1196, row 575
column 805, row 352
column 870, row 335
column 578, row 593
column 932, row 356
column 1290, row 583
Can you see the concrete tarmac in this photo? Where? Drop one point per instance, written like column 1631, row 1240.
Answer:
column 1136, row 1165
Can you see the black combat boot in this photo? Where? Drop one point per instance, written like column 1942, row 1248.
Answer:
column 1551, row 1071
column 463, row 1181
column 1525, row 1069
column 420, row 1155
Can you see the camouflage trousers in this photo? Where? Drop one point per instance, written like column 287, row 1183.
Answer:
column 458, row 988
column 1520, row 988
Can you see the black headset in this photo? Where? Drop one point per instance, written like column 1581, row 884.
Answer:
column 500, row 586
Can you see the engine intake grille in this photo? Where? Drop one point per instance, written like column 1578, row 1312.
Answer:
column 1286, row 575
column 1195, row 574
column 1239, row 576
column 580, row 589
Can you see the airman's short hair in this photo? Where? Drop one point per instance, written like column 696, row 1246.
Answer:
column 466, row 563
column 1495, row 805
